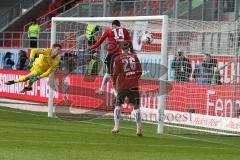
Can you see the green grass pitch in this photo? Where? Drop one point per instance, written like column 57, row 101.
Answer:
column 28, row 135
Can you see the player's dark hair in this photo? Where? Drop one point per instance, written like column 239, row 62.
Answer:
column 116, row 23
column 57, row 45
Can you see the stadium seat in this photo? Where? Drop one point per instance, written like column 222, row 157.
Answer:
column 48, row 25
column 51, row 7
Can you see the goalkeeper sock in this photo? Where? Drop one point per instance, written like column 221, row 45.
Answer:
column 117, row 113
column 138, row 118
column 105, row 81
column 21, row 79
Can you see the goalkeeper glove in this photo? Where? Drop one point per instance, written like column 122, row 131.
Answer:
column 33, row 78
column 30, row 63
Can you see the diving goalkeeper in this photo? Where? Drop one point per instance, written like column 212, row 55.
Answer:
column 46, row 63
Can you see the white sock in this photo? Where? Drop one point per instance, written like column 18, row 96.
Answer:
column 117, row 113
column 115, row 93
column 138, row 118
column 105, row 80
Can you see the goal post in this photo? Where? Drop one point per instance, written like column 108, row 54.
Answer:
column 51, row 91
column 190, row 81
column 164, row 76
column 131, row 24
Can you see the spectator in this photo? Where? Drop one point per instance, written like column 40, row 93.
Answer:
column 22, row 60
column 200, row 75
column 93, row 68
column 8, row 62
column 182, row 67
column 90, row 33
column 33, row 33
column 211, row 66
column 91, row 37
column 68, row 63
column 216, row 78
column 209, row 63
column 207, row 72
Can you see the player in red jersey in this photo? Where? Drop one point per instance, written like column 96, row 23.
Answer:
column 115, row 35
column 126, row 72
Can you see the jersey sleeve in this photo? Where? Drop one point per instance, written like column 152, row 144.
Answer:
column 100, row 40
column 51, row 69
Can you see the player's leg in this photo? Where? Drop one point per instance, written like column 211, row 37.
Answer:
column 20, row 79
column 134, row 98
column 117, row 114
column 107, row 75
column 29, row 86
column 138, row 119
column 117, row 111
column 105, row 80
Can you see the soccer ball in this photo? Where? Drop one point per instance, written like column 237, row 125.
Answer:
column 147, row 38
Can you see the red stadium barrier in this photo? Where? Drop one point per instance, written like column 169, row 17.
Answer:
column 204, row 99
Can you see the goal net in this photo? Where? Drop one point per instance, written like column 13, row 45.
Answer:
column 204, row 73
column 180, row 95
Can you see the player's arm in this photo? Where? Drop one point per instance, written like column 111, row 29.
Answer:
column 33, row 54
column 129, row 40
column 100, row 40
column 50, row 70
